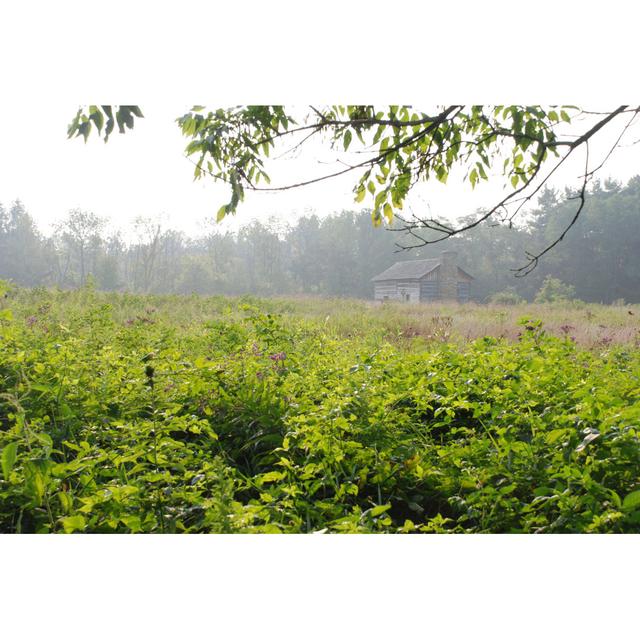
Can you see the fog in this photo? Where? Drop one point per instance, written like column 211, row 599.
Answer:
column 334, row 255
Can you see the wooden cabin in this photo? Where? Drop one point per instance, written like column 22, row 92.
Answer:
column 424, row 281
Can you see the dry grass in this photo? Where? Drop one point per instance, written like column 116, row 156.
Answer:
column 589, row 325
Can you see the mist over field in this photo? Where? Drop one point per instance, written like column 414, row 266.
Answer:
column 337, row 255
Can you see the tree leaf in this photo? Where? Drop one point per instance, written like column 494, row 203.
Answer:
column 381, row 508
column 631, row 501
column 347, row 139
column 73, row 523
column 9, row 454
column 272, row 476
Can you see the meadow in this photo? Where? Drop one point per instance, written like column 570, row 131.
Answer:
column 167, row 414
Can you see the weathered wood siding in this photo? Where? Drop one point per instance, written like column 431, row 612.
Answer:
column 401, row 290
column 432, row 286
column 463, row 291
column 409, row 290
column 429, row 290
column 386, row 290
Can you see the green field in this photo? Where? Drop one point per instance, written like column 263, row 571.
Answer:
column 124, row 413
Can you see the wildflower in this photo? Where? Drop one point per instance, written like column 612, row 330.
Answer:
column 278, row 357
column 31, row 320
column 256, row 349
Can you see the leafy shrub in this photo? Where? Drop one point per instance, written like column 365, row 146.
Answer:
column 508, row 297
column 250, row 422
column 554, row 290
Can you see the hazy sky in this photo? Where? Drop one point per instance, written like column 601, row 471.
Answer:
column 145, row 173
column 59, row 55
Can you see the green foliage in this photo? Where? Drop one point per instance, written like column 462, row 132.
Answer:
column 554, row 290
column 406, row 145
column 252, row 421
column 103, row 115
column 508, row 296
column 232, row 145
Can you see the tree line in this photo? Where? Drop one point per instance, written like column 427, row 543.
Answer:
column 333, row 256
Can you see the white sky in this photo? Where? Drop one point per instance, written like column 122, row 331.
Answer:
column 56, row 56
column 144, row 172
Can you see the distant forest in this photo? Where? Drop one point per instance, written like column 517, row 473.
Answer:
column 333, row 256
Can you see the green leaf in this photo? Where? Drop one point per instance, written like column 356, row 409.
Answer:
column 272, row 476
column 97, row 118
column 222, row 212
column 615, row 498
column 631, row 501
column 45, row 439
column 380, row 198
column 555, row 434
column 73, row 523
column 66, row 501
column 381, row 508
column 347, row 139
column 9, row 454
column 133, row 522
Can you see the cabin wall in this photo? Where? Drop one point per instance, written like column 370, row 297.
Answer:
column 409, row 290
column 430, row 288
column 399, row 290
column 386, row 290
column 464, row 291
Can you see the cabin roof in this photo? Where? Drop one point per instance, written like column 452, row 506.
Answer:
column 412, row 269
column 408, row 269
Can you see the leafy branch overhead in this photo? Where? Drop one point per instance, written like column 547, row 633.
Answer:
column 395, row 147
column 103, row 116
